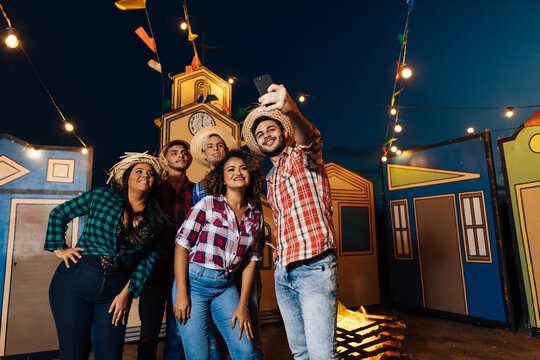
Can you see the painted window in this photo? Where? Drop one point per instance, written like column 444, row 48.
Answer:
column 475, row 232
column 355, row 229
column 400, row 229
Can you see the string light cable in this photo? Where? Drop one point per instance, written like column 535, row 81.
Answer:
column 69, row 127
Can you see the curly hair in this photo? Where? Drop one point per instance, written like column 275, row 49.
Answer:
column 214, row 182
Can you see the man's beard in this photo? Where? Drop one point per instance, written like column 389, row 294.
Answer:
column 179, row 168
column 278, row 149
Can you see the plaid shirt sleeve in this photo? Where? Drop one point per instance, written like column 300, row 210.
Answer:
column 311, row 155
column 61, row 215
column 189, row 231
column 198, row 192
column 145, row 268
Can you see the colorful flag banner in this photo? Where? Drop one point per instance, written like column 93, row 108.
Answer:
column 410, row 3
column 191, row 36
column 166, row 104
column 154, row 65
column 195, row 64
column 240, row 114
column 210, row 98
column 400, row 38
column 388, row 140
column 150, row 42
column 130, row 4
column 157, row 122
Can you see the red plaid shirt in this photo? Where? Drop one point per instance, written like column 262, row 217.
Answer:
column 176, row 204
column 299, row 194
column 213, row 238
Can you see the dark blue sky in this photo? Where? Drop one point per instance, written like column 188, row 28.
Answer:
column 462, row 52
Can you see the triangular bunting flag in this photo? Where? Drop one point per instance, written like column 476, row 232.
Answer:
column 154, row 65
column 166, row 104
column 150, row 42
column 191, row 36
column 157, row 122
column 210, row 98
column 130, row 4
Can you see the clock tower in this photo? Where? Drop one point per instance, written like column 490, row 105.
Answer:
column 188, row 115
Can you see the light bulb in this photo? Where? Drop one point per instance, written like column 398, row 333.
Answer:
column 183, row 25
column 12, row 41
column 509, row 112
column 84, row 151
column 393, row 111
column 302, row 98
column 470, row 130
column 393, row 148
column 68, row 126
column 231, row 81
column 406, row 73
column 384, row 158
column 398, row 152
column 398, row 128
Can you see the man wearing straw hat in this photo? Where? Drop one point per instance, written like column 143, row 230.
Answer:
column 209, row 146
column 305, row 273
column 175, row 194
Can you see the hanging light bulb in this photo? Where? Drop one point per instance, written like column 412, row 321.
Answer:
column 393, row 111
column 470, row 130
column 183, row 25
column 84, row 151
column 509, row 112
column 69, row 126
column 393, row 148
column 398, row 152
column 398, row 128
column 11, row 39
column 302, row 98
column 384, row 158
column 406, row 73
column 231, row 80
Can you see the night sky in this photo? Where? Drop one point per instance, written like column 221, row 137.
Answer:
column 462, row 52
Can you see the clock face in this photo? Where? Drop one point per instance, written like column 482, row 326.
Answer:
column 199, row 120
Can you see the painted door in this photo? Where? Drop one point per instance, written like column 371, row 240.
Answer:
column 530, row 198
column 440, row 255
column 27, row 322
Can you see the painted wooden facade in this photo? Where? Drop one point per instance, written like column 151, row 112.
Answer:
column 444, row 233
column 520, row 155
column 33, row 180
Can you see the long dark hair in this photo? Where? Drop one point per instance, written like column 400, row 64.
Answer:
column 214, row 182
column 152, row 214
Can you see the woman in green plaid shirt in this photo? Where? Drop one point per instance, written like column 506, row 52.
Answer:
column 92, row 288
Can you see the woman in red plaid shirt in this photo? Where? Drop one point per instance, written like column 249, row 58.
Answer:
column 220, row 235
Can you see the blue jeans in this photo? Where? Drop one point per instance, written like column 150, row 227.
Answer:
column 80, row 297
column 211, row 291
column 307, row 298
column 155, row 297
column 218, row 348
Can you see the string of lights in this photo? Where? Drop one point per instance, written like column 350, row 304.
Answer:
column 12, row 41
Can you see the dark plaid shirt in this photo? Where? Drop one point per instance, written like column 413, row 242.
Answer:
column 176, row 204
column 103, row 206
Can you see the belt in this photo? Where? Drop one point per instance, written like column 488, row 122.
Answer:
column 309, row 261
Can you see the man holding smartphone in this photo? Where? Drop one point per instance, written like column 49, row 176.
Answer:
column 305, row 274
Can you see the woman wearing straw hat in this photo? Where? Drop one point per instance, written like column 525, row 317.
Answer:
column 220, row 234
column 92, row 288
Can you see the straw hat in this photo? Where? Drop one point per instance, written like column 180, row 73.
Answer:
column 130, row 159
column 201, row 138
column 257, row 113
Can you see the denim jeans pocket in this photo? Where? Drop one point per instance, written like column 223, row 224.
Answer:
column 195, row 272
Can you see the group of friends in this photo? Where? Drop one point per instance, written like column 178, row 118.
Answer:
column 192, row 250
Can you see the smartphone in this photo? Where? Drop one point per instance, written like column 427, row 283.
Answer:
column 262, row 83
